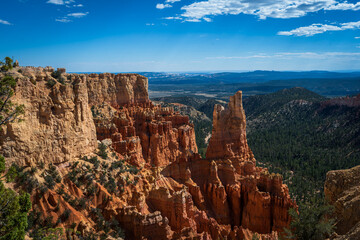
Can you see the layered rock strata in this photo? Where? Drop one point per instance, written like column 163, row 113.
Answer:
column 228, row 137
column 57, row 125
column 150, row 178
column 342, row 189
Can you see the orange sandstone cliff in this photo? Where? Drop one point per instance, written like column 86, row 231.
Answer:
column 146, row 177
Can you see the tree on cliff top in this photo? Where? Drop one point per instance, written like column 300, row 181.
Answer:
column 7, row 65
column 9, row 111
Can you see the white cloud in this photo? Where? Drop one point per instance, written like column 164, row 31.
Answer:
column 263, row 8
column 63, row 20
column 193, row 20
column 357, row 37
column 78, row 15
column 162, row 6
column 57, row 2
column 4, row 22
column 318, row 28
column 78, row 5
column 172, row 18
column 166, row 4
column 207, row 19
column 150, row 24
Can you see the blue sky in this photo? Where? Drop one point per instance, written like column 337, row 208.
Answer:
column 182, row 35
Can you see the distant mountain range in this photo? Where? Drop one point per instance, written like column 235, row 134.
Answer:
column 222, row 85
column 242, row 77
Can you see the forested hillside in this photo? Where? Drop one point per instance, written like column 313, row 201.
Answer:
column 302, row 135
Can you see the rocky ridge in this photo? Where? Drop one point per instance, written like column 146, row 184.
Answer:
column 149, row 179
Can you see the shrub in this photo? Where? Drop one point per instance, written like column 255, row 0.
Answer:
column 65, row 215
column 57, row 75
column 132, row 169
column 43, row 189
column 82, row 203
column 91, row 190
column 50, row 83
column 60, row 191
column 12, row 173
column 41, row 165
column 102, row 151
column 49, row 181
column 111, row 185
column 116, row 165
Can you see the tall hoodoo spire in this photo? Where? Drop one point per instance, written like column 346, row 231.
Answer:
column 229, row 131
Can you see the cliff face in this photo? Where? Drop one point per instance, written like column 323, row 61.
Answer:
column 342, row 189
column 57, row 124
column 150, row 179
column 117, row 89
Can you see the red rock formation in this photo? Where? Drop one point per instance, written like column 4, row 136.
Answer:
column 174, row 194
column 343, row 101
column 228, row 137
column 146, row 133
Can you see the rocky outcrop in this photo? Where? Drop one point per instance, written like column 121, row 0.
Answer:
column 233, row 195
column 147, row 134
column 342, row 189
column 353, row 101
column 57, row 125
column 228, row 137
column 150, row 179
column 117, row 89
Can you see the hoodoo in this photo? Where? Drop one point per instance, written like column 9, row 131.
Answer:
column 146, row 177
column 228, row 137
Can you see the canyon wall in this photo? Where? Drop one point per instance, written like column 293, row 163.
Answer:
column 149, row 177
column 342, row 190
column 117, row 89
column 57, row 125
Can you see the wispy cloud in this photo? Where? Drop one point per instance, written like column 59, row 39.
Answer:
column 78, row 14
column 4, row 22
column 63, row 20
column 69, row 17
column 172, row 1
column 357, row 37
column 263, row 8
column 172, row 18
column 60, row 2
column 318, row 28
column 57, row 2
